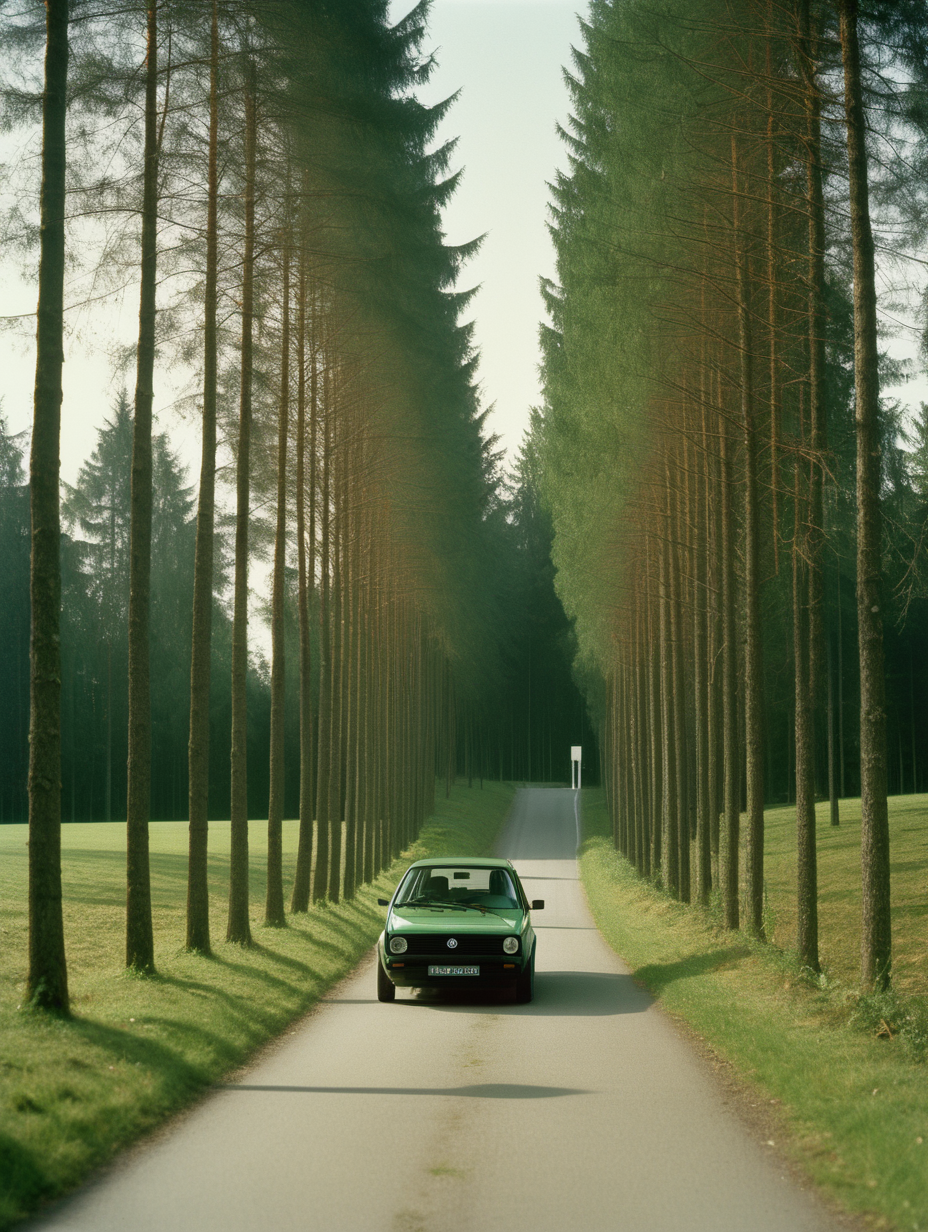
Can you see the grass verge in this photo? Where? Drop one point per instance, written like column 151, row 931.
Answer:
column 74, row 1091
column 853, row 1107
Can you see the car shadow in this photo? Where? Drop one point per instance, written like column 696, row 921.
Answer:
column 557, row 994
column 478, row 1090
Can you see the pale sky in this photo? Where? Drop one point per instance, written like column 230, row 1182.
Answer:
column 506, row 57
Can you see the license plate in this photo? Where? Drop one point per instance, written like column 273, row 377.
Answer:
column 454, row 970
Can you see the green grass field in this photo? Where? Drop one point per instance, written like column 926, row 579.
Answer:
column 850, row 1103
column 72, row 1092
column 839, row 888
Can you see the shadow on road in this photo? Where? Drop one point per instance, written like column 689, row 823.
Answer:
column 557, row 994
column 481, row 1090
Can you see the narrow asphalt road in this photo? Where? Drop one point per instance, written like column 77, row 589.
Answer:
column 582, row 1110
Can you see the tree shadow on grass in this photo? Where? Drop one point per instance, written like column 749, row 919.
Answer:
column 277, row 982
column 907, row 866
column 23, row 1179
column 116, row 900
column 351, row 951
column 313, row 939
column 238, row 1002
column 657, row 976
column 302, row 969
column 178, row 1077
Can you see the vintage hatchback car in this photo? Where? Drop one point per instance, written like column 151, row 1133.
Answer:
column 458, row 923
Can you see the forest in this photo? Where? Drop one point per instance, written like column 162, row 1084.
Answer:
column 706, row 564
column 739, row 514
column 264, row 175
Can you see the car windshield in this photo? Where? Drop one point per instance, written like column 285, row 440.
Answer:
column 457, row 886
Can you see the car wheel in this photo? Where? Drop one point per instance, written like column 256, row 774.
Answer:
column 525, row 983
column 386, row 989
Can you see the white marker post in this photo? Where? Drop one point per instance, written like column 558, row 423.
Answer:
column 576, row 753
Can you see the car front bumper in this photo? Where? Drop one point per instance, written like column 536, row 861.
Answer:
column 494, row 972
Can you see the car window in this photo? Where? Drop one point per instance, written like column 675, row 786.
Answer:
column 480, row 887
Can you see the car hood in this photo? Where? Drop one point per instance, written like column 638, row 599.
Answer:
column 454, row 919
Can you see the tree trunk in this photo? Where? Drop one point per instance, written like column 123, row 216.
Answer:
column 200, row 653
column 681, row 757
column 753, row 666
column 817, row 437
column 773, row 367
column 274, row 902
column 300, row 898
column 806, row 864
column 669, row 829
column 324, row 723
column 731, row 747
column 701, row 668
column 140, row 943
column 876, row 942
column 833, row 805
column 238, row 927
column 335, row 736
column 47, row 983
column 654, row 724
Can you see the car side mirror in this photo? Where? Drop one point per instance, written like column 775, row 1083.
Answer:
column 538, row 904
column 383, row 902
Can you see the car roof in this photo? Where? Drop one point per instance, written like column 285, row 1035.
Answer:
column 464, row 861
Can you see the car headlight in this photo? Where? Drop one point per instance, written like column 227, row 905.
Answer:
column 511, row 945
column 398, row 945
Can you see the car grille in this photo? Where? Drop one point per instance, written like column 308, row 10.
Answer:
column 437, row 943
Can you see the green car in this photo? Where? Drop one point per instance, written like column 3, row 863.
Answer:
column 458, row 923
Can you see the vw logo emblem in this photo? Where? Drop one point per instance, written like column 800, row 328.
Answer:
column 452, row 943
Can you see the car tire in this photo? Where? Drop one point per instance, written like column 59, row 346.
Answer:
column 525, row 983
column 386, row 989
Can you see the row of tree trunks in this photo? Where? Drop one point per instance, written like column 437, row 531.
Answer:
column 371, row 434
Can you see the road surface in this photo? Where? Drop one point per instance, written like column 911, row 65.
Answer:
column 584, row 1110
